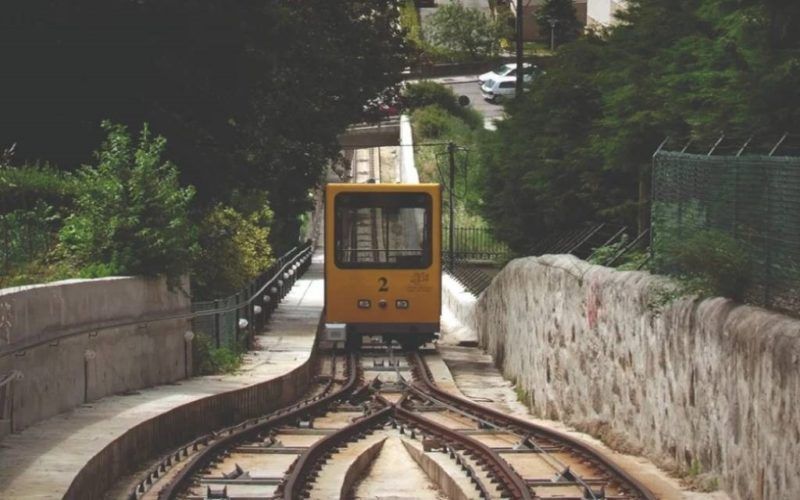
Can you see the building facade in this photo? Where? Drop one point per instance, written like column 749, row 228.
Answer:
column 603, row 12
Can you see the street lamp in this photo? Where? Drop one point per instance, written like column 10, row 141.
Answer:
column 553, row 23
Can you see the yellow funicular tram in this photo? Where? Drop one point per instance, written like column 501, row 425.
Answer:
column 383, row 265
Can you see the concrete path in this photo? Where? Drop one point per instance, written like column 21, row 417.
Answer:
column 42, row 461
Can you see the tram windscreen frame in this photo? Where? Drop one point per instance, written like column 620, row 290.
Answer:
column 383, row 213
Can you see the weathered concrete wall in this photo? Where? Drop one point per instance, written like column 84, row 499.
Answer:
column 58, row 376
column 708, row 386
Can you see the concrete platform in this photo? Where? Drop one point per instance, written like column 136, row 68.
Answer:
column 72, row 455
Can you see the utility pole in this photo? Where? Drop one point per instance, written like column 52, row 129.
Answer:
column 451, row 150
column 520, row 15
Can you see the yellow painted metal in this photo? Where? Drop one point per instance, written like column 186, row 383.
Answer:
column 422, row 288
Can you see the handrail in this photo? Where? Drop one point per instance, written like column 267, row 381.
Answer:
column 57, row 336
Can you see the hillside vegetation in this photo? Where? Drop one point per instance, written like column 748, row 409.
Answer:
column 578, row 145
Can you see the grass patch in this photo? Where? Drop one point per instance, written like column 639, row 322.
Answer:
column 211, row 360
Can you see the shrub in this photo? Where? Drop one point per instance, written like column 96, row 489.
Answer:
column 209, row 360
column 21, row 188
column 433, row 122
column 464, row 33
column 711, row 260
column 131, row 215
column 234, row 249
column 27, row 233
column 426, row 93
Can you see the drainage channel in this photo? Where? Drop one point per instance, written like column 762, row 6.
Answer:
column 367, row 417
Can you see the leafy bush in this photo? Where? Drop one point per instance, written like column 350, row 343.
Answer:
column 27, row 234
column 433, row 122
column 426, row 93
column 131, row 215
column 209, row 360
column 711, row 260
column 21, row 188
column 234, row 249
column 463, row 33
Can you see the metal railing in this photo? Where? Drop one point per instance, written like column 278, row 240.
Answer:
column 474, row 279
column 226, row 319
column 473, row 244
column 582, row 241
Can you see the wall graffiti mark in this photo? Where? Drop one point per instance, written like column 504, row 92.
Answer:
column 593, row 304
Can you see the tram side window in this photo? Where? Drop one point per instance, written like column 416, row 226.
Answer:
column 383, row 230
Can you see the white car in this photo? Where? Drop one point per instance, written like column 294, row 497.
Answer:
column 507, row 70
column 496, row 90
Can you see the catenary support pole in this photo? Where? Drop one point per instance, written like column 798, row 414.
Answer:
column 520, row 46
column 451, row 150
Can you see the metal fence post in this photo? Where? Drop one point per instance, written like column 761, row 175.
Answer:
column 216, row 324
column 767, row 246
column 238, row 314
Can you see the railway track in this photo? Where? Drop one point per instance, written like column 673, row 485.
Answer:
column 381, row 401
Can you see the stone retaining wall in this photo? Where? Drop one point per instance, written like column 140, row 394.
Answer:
column 59, row 375
column 707, row 387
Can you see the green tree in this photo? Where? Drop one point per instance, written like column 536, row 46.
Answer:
column 578, row 146
column 464, row 33
column 131, row 216
column 562, row 13
column 250, row 94
column 234, row 249
column 536, row 169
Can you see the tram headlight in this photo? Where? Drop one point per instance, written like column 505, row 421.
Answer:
column 364, row 304
column 401, row 304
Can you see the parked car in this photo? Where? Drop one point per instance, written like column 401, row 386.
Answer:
column 499, row 89
column 382, row 107
column 510, row 69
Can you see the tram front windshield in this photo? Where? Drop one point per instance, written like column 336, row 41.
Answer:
column 383, row 230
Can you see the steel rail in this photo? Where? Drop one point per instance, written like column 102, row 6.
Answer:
column 529, row 428
column 499, row 468
column 557, row 466
column 48, row 338
column 296, row 482
column 454, row 454
column 183, row 451
column 204, row 457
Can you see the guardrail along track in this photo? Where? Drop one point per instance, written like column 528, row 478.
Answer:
column 324, row 446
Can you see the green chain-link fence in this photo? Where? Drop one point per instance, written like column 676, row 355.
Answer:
column 753, row 202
